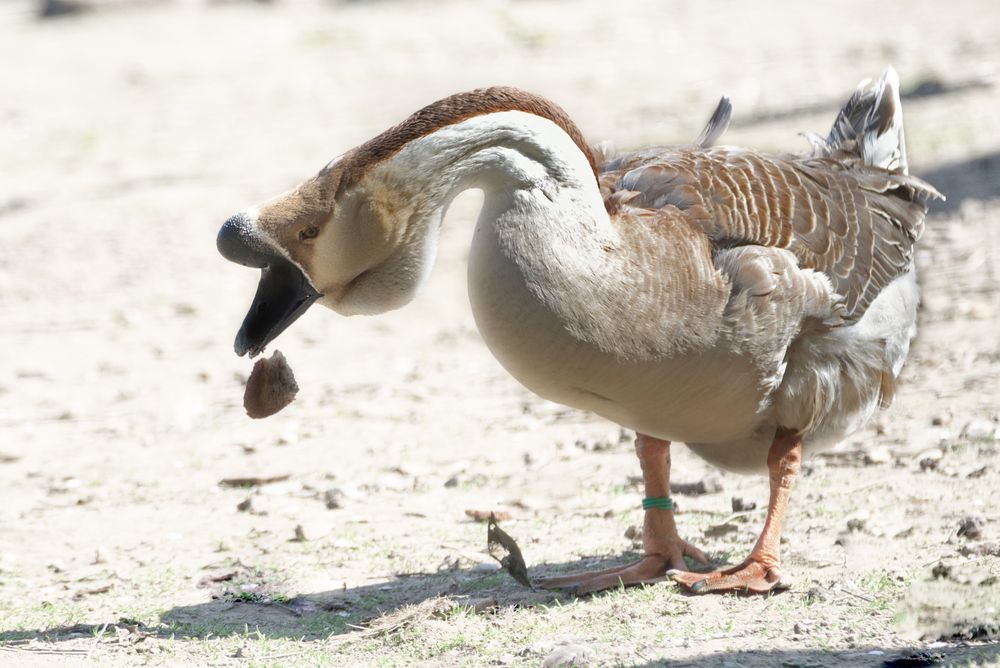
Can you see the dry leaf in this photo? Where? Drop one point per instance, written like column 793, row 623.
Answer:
column 252, row 481
column 484, row 515
column 498, row 542
column 83, row 593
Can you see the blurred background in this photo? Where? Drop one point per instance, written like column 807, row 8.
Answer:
column 130, row 130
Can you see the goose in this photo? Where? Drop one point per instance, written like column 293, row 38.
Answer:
column 755, row 307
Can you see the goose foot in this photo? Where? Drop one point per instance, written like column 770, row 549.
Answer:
column 752, row 576
column 761, row 572
column 650, row 569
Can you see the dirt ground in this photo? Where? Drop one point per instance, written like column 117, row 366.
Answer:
column 129, row 132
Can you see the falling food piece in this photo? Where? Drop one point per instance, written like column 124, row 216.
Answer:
column 270, row 388
column 498, row 542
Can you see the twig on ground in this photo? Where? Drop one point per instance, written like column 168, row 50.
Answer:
column 863, row 597
column 97, row 639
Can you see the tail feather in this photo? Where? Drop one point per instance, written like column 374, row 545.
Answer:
column 869, row 126
column 717, row 124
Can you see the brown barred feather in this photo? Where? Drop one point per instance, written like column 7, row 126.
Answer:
column 855, row 223
column 850, row 210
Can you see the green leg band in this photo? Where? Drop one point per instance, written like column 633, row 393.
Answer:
column 658, row 502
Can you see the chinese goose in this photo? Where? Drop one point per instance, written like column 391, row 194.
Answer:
column 753, row 306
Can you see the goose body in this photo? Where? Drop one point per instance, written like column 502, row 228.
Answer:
column 749, row 305
column 682, row 338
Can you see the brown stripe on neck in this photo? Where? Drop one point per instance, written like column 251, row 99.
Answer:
column 449, row 111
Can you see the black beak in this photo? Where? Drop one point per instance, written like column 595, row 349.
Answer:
column 283, row 294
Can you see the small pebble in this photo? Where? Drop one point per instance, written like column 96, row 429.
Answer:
column 334, row 498
column 971, row 528
column 941, row 570
column 858, row 521
column 703, row 486
column 595, row 445
column 930, row 459
column 300, row 534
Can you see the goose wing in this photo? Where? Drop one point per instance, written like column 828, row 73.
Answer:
column 856, row 224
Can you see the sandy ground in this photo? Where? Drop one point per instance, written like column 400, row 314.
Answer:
column 129, row 133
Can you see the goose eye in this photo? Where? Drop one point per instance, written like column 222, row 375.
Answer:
column 308, row 233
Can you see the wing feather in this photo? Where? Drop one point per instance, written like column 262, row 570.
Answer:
column 855, row 223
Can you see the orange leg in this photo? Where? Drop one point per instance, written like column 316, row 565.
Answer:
column 663, row 548
column 761, row 572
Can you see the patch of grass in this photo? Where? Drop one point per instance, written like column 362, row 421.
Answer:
column 491, row 581
column 252, row 585
column 877, row 582
column 373, row 601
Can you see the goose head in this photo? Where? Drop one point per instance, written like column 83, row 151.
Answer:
column 348, row 246
column 360, row 237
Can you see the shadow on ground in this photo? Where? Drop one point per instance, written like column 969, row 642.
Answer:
column 966, row 655
column 362, row 611
column 973, row 179
column 323, row 614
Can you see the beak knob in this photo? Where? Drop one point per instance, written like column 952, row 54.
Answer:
column 237, row 242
